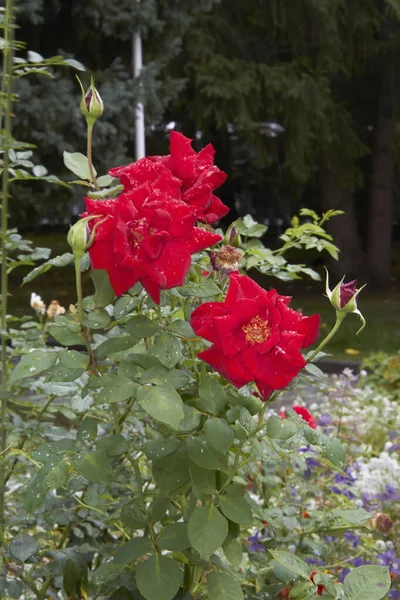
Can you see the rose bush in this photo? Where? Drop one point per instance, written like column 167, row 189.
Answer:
column 129, row 468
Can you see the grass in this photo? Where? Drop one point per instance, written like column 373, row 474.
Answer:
column 381, row 311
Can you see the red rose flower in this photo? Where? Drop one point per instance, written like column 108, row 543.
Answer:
column 304, row 414
column 193, row 176
column 255, row 335
column 146, row 236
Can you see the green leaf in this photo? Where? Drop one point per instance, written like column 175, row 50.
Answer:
column 280, row 429
column 141, row 326
column 207, row 529
column 243, row 418
column 124, row 306
column 32, row 364
column 87, row 430
column 204, row 480
column 133, row 516
column 163, row 403
column 159, row 375
column 97, row 319
column 56, row 477
column 203, row 454
column 171, row 472
column 233, row 550
column 23, row 546
column 221, row 586
column 78, row 164
column 191, row 420
column 292, row 563
column 117, row 389
column 114, row 345
column 167, row 348
column 72, row 62
column 158, row 578
column 332, row 449
column 53, row 452
column 367, row 583
column 74, row 576
column 105, row 180
column 61, row 374
column 158, row 448
column 212, row 396
column 200, row 290
column 114, row 444
column 182, row 328
column 95, row 467
column 219, row 434
column 107, row 572
column 132, row 550
column 66, row 332
column 58, row 261
column 104, row 294
column 174, row 537
column 234, row 506
column 71, row 359
column 356, row 516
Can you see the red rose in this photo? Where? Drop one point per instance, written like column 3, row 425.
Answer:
column 193, row 176
column 304, row 414
column 147, row 237
column 255, row 335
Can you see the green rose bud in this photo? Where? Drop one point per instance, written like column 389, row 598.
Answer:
column 344, row 297
column 92, row 106
column 80, row 238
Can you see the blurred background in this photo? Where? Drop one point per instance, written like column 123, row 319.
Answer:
column 300, row 100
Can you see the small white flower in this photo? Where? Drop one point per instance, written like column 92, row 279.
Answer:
column 37, row 304
column 380, row 545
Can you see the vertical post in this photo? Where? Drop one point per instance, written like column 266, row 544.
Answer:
column 140, row 149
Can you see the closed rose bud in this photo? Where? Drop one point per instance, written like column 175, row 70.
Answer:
column 92, row 106
column 78, row 237
column 382, row 522
column 344, row 298
column 232, row 237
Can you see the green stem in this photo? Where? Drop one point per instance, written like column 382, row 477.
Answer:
column 7, row 86
column 138, row 477
column 90, row 158
column 235, row 465
column 339, row 318
column 78, row 283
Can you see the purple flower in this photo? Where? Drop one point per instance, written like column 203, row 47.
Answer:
column 353, row 539
column 390, row 494
column 393, row 434
column 394, row 594
column 342, row 492
column 255, row 543
column 389, row 559
column 312, row 560
column 324, row 420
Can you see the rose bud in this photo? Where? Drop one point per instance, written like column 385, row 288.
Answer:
column 92, row 106
column 344, row 297
column 80, row 238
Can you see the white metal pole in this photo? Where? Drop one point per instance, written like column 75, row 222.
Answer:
column 140, row 147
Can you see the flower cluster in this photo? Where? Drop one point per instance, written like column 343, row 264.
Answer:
column 193, row 177
column 255, row 336
column 148, row 233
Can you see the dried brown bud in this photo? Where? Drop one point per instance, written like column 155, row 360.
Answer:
column 226, row 260
column 382, row 522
